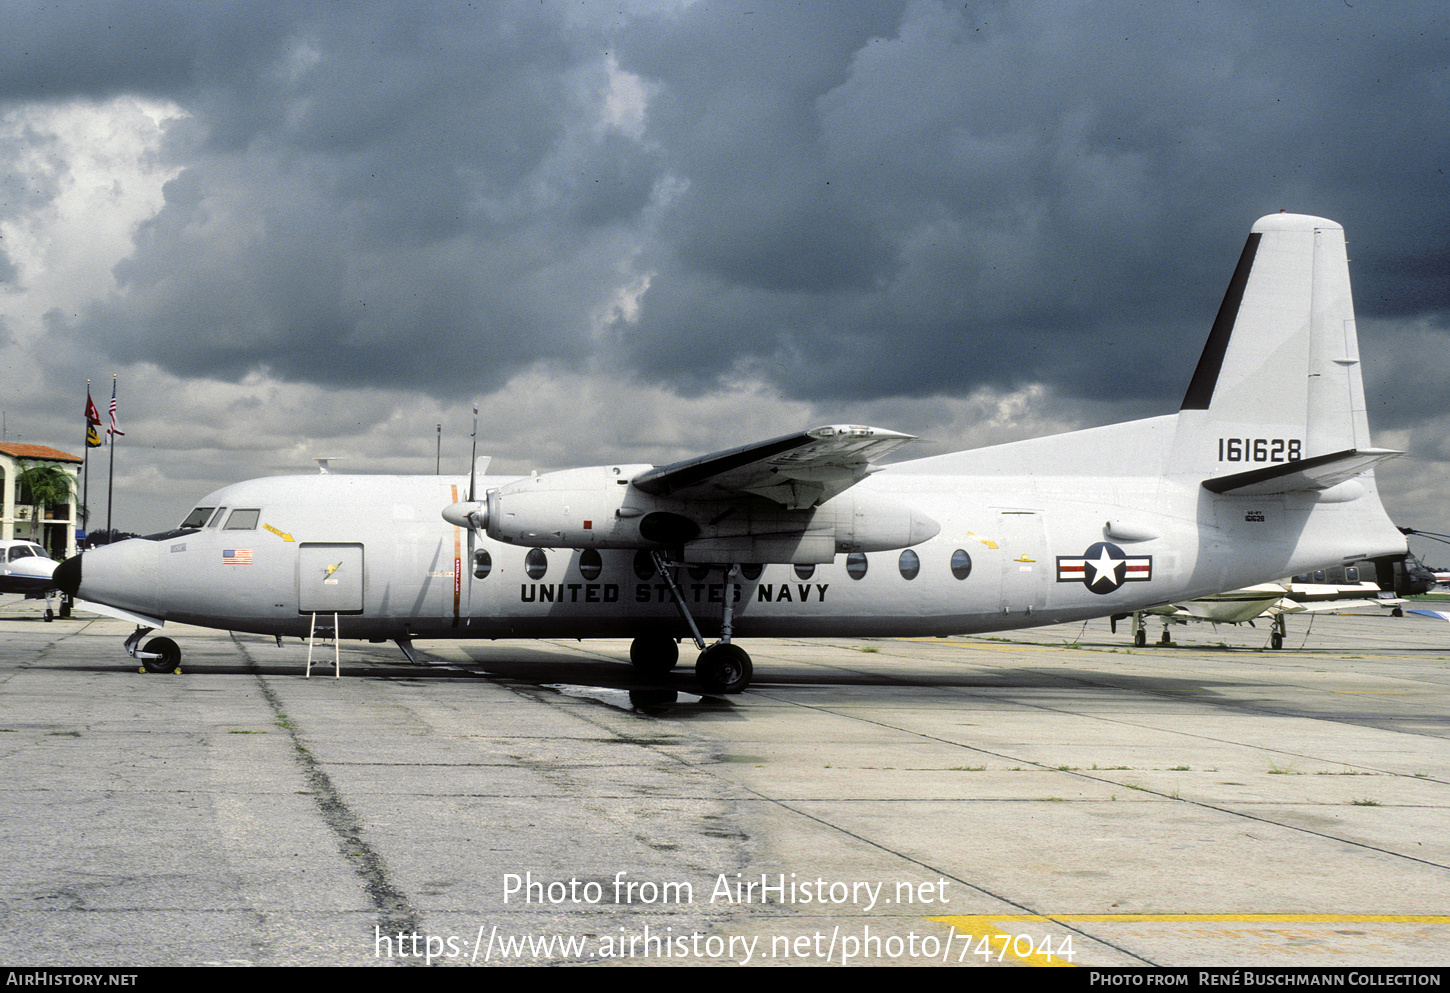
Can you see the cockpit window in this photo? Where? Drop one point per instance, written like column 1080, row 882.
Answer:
column 217, row 517
column 22, row 552
column 243, row 520
column 198, row 517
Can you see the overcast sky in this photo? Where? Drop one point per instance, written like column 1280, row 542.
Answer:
column 647, row 230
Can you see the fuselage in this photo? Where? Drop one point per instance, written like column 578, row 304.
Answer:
column 1012, row 550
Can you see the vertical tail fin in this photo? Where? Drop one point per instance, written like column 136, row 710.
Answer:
column 1279, row 380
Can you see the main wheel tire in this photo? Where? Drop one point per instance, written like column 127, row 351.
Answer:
column 1276, row 640
column 724, row 668
column 654, row 654
column 1140, row 638
column 49, row 615
column 168, row 650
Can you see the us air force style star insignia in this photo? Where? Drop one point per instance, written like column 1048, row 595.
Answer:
column 1104, row 567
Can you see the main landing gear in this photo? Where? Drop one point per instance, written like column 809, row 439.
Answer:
column 1276, row 634
column 723, row 667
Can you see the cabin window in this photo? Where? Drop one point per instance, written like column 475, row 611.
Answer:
column 699, row 571
column 856, row 565
column 805, row 571
column 536, row 563
column 482, row 564
column 198, row 517
column 590, row 565
column 751, row 571
column 243, row 520
column 909, row 564
column 644, row 565
column 961, row 564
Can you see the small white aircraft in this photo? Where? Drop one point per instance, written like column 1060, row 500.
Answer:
column 1274, row 601
column 1265, row 471
column 26, row 568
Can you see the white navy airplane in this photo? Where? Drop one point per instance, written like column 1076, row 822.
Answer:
column 1265, row 471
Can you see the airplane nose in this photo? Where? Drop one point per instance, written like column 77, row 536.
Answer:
column 68, row 575
column 120, row 575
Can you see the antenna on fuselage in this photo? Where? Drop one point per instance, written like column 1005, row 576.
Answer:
column 324, row 463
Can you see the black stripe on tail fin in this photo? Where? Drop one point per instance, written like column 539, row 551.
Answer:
column 1205, row 377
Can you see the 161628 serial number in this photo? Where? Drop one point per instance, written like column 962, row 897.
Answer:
column 1260, row 449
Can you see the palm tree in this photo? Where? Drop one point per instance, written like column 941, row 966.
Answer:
column 46, row 483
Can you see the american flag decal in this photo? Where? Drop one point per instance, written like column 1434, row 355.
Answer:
column 1104, row 567
column 236, row 556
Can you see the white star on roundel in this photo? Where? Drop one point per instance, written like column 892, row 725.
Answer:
column 1106, row 568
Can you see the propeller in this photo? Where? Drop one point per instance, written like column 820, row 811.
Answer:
column 471, row 513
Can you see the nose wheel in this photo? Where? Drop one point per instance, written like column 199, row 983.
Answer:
column 159, row 654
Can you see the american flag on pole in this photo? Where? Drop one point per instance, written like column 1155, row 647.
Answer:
column 113, row 430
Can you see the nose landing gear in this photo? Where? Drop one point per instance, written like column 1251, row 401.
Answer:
column 160, row 654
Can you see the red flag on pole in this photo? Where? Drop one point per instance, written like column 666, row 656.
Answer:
column 93, row 421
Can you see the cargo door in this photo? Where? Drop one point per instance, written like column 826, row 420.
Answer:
column 329, row 578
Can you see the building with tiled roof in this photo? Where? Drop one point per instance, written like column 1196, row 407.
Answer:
column 55, row 528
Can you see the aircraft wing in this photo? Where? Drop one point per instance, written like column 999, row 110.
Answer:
column 1351, row 605
column 1219, row 611
column 797, row 471
column 1317, row 473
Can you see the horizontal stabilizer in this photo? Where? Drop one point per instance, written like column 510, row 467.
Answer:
column 797, row 471
column 1317, row 473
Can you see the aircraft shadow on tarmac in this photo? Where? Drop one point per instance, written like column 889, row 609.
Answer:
column 521, row 663
column 616, row 683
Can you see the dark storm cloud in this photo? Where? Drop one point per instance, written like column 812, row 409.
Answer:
column 846, row 201
column 1018, row 192
column 380, row 194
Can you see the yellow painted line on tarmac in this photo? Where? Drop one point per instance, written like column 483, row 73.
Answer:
column 1037, row 946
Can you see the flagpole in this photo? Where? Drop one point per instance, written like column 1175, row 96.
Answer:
column 86, row 462
column 111, row 475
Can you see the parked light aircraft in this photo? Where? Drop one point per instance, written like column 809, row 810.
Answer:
column 1274, row 601
column 26, row 568
column 1265, row 471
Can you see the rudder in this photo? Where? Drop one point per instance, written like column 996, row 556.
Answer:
column 1279, row 379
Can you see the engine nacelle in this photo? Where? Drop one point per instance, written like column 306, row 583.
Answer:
column 571, row 508
column 596, row 507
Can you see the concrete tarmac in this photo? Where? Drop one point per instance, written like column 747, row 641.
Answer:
column 1046, row 798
